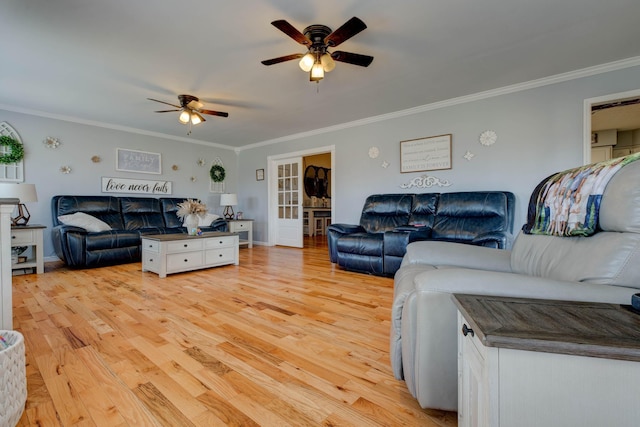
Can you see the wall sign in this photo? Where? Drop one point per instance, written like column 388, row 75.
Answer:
column 138, row 161
column 135, row 186
column 425, row 154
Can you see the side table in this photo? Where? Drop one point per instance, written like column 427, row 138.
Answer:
column 530, row 362
column 29, row 235
column 242, row 225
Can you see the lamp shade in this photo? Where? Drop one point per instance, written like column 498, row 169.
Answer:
column 25, row 192
column 228, row 199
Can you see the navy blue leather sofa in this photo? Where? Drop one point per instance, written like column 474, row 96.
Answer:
column 389, row 222
column 129, row 219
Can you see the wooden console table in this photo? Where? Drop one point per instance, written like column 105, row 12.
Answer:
column 525, row 362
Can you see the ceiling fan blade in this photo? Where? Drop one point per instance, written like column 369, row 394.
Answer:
column 352, row 58
column 349, row 29
column 162, row 102
column 282, row 59
column 291, row 31
column 214, row 113
column 164, row 111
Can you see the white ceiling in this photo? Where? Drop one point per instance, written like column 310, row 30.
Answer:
column 98, row 61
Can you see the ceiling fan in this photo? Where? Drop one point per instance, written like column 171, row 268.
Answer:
column 190, row 109
column 318, row 39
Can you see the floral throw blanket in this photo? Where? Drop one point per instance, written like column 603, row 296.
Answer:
column 567, row 203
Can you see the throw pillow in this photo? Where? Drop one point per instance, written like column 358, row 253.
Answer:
column 83, row 220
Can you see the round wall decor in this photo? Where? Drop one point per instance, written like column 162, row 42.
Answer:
column 217, row 173
column 16, row 152
column 488, row 137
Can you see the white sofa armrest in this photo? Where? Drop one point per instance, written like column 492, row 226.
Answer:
column 439, row 253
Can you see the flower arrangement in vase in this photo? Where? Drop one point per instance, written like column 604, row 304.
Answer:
column 189, row 211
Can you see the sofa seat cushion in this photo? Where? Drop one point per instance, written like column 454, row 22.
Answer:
column 112, row 239
column 361, row 244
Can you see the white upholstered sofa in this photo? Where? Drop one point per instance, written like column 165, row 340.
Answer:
column 603, row 267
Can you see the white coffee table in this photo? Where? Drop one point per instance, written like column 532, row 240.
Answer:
column 174, row 253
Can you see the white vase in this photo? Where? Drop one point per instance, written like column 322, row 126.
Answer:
column 191, row 222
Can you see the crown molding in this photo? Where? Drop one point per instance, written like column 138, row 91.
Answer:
column 519, row 87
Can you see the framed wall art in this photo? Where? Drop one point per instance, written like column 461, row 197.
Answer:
column 138, row 161
column 425, row 154
column 259, row 174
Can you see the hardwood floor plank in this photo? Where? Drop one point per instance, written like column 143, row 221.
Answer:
column 284, row 338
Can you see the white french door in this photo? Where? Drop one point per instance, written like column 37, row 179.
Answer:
column 289, row 202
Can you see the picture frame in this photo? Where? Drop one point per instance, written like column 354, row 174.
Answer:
column 138, row 161
column 259, row 174
column 425, row 154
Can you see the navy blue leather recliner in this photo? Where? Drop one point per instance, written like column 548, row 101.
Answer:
column 389, row 222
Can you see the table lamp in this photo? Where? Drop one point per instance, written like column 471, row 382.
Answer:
column 24, row 192
column 228, row 200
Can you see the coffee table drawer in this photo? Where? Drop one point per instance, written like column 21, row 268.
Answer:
column 184, row 260
column 222, row 255
column 151, row 261
column 150, row 245
column 219, row 242
column 184, row 246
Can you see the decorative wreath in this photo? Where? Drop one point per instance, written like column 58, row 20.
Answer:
column 16, row 152
column 217, row 173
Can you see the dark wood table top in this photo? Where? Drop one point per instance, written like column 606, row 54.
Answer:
column 179, row 236
column 567, row 327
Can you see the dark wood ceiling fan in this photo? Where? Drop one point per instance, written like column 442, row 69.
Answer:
column 190, row 108
column 319, row 39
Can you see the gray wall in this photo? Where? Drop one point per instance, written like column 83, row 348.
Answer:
column 79, row 142
column 540, row 131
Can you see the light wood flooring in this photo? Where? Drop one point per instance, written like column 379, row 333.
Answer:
column 283, row 339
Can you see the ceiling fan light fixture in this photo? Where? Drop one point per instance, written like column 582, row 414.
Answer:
column 317, row 72
column 184, row 117
column 328, row 64
column 196, row 118
column 307, row 61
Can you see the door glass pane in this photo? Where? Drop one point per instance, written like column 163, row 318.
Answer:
column 294, row 184
column 294, row 169
column 280, row 171
column 287, row 170
column 281, row 212
column 294, row 212
column 287, row 184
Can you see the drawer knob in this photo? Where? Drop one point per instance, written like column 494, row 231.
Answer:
column 186, row 245
column 467, row 330
column 220, row 242
column 13, row 237
column 220, row 255
column 186, row 260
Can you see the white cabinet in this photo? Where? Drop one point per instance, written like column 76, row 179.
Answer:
column 29, row 235
column 531, row 363
column 173, row 253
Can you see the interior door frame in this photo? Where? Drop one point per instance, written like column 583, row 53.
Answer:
column 588, row 103
column 272, row 182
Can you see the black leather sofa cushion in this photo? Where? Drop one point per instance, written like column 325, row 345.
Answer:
column 111, row 239
column 141, row 213
column 384, row 212
column 362, row 244
column 105, row 208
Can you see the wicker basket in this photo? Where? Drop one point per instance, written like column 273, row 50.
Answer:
column 13, row 379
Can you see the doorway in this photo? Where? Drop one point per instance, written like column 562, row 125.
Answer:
column 611, row 126
column 274, row 233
